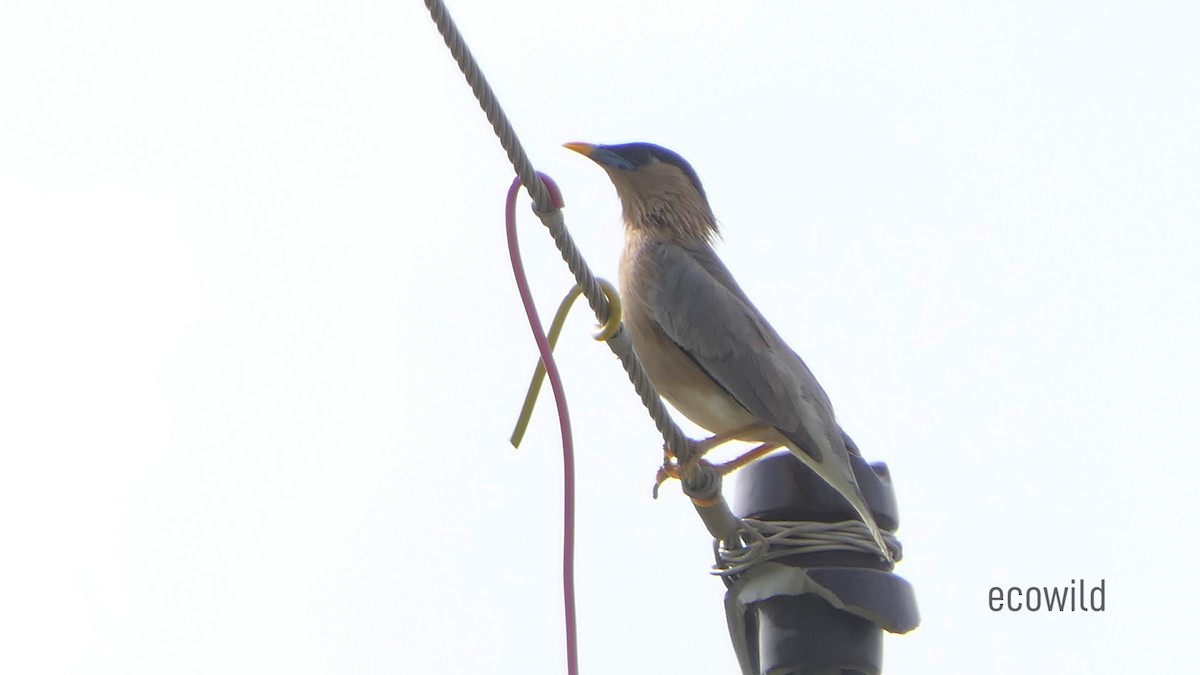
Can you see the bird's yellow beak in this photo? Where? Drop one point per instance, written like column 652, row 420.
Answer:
column 601, row 155
column 585, row 149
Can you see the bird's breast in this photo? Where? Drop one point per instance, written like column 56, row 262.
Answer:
column 682, row 383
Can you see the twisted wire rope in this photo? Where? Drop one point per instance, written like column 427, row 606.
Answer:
column 702, row 483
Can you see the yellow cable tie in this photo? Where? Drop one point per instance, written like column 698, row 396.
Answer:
column 602, row 333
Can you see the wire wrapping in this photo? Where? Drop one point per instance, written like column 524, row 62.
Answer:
column 773, row 539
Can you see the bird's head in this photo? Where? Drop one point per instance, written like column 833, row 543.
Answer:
column 660, row 192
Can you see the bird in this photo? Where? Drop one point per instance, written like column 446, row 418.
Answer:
column 703, row 344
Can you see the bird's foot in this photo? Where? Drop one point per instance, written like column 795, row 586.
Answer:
column 671, row 467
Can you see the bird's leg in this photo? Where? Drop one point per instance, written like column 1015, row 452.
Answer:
column 701, row 448
column 672, row 469
column 746, row 458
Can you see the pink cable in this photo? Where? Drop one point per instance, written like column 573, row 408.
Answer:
column 564, row 418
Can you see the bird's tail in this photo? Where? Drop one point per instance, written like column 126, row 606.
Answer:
column 834, row 468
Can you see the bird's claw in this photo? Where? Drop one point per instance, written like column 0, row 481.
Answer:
column 671, row 467
column 668, row 470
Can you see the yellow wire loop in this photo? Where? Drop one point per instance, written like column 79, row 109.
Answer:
column 609, row 329
column 602, row 334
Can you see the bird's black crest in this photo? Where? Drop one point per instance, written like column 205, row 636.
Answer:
column 640, row 154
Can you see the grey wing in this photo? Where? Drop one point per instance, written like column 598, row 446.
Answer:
column 698, row 304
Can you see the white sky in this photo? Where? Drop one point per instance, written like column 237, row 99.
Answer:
column 260, row 349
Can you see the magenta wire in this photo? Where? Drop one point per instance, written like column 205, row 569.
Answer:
column 564, row 421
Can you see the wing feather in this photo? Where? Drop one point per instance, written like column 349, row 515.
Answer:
column 700, row 306
column 697, row 303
